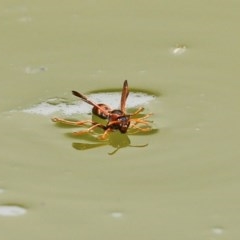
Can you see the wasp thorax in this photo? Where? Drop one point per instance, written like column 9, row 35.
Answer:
column 117, row 112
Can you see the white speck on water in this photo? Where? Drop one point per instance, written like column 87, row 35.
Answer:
column 217, row 231
column 117, row 215
column 11, row 211
column 179, row 50
column 34, row 70
column 25, row 19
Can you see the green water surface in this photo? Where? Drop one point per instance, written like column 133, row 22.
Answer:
column 185, row 183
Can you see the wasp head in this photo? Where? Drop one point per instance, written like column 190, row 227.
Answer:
column 123, row 122
column 119, row 121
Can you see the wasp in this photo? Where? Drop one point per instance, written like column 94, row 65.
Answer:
column 117, row 119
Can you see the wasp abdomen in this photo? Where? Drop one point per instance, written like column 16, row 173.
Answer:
column 97, row 111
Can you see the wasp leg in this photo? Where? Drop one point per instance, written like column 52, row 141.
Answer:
column 138, row 111
column 105, row 134
column 141, row 120
column 139, row 129
column 73, row 123
column 88, row 130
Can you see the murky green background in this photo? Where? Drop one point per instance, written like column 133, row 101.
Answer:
column 185, row 184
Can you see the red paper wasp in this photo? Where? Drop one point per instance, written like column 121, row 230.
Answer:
column 117, row 119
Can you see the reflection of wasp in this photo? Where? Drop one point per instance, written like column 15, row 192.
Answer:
column 117, row 119
column 116, row 140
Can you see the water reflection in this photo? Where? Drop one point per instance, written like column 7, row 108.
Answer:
column 116, row 139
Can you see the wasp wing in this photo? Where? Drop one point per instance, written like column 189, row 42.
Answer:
column 125, row 92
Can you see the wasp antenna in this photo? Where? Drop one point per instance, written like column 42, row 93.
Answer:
column 77, row 94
